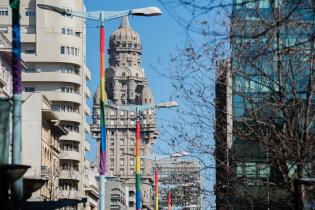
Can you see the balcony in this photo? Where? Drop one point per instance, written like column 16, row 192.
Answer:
column 60, row 96
column 70, row 194
column 70, row 155
column 51, row 77
column 87, row 73
column 72, row 136
column 87, row 127
column 86, row 145
column 70, row 174
column 87, row 91
column 87, row 109
column 69, row 116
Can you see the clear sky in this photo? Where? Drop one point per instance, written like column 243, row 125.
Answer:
column 160, row 37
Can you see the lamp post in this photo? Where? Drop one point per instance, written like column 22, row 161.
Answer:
column 156, row 188
column 138, row 109
column 102, row 16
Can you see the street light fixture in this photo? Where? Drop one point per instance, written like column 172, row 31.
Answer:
column 102, row 16
column 138, row 109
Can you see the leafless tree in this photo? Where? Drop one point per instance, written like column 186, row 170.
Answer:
column 270, row 48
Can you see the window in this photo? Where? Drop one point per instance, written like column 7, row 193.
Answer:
column 30, row 29
column 142, row 161
column 132, row 162
column 72, row 50
column 122, row 122
column 142, row 151
column 111, row 152
column 68, row 50
column 30, row 50
column 29, row 89
column 31, row 69
column 112, row 142
column 121, row 142
column 77, row 34
column 4, row 11
column 112, row 161
column 122, row 161
column 67, row 89
column 112, row 113
column 132, row 142
column 63, row 31
column 29, row 12
column 121, row 171
column 4, row 29
column 62, row 50
column 264, row 4
column 122, row 113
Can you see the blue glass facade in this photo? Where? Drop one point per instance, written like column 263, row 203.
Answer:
column 273, row 68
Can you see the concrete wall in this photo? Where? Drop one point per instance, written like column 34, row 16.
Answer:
column 31, row 134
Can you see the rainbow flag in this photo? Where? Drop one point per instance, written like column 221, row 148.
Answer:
column 102, row 165
column 16, row 47
column 138, row 181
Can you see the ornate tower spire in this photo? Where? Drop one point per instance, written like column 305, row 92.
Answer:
column 124, row 22
column 125, row 46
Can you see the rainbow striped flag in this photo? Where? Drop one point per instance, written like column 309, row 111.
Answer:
column 102, row 165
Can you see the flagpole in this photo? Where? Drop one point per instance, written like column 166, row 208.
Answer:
column 138, row 192
column 17, row 189
column 102, row 159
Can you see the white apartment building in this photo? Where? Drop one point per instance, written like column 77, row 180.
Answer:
column 54, row 49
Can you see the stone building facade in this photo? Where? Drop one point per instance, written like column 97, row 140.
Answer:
column 126, row 84
column 41, row 148
column 54, row 49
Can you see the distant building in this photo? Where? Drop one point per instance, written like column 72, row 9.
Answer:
column 126, row 84
column 116, row 194
column 223, row 134
column 182, row 178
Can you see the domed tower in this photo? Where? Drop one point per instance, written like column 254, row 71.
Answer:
column 125, row 79
column 126, row 84
column 125, row 46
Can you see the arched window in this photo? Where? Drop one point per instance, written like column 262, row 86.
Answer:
column 123, row 74
column 124, row 44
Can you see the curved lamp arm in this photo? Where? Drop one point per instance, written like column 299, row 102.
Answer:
column 103, row 15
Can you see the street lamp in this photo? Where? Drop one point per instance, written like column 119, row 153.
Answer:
column 138, row 109
column 102, row 16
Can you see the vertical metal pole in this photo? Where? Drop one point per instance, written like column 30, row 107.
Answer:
column 103, row 117
column 17, row 189
column 138, row 192
column 169, row 200
column 156, row 188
